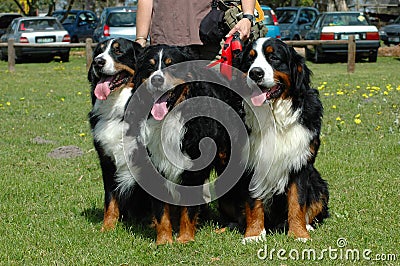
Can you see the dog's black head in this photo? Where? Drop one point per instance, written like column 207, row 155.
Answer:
column 158, row 75
column 113, row 66
column 277, row 69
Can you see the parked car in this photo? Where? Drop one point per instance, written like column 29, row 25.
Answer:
column 271, row 22
column 339, row 26
column 5, row 20
column 390, row 34
column 36, row 30
column 116, row 22
column 294, row 22
column 80, row 24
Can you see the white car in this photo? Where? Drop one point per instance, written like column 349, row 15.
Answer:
column 339, row 26
column 36, row 30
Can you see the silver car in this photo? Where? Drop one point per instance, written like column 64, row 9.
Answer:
column 116, row 22
column 36, row 30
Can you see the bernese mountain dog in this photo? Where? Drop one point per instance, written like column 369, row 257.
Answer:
column 160, row 75
column 111, row 76
column 283, row 114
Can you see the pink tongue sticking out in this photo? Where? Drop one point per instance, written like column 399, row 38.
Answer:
column 259, row 99
column 159, row 110
column 102, row 89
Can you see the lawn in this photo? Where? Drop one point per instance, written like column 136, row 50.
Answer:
column 51, row 208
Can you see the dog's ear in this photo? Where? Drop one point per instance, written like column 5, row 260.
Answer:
column 300, row 73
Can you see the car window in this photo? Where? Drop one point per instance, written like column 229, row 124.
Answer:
column 90, row 18
column 34, row 25
column 268, row 17
column 286, row 16
column 125, row 19
column 345, row 20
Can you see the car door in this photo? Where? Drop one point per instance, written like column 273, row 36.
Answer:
column 306, row 19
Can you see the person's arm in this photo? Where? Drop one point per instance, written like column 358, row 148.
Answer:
column 244, row 25
column 143, row 20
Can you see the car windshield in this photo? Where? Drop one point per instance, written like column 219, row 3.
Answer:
column 126, row 19
column 286, row 16
column 353, row 19
column 397, row 20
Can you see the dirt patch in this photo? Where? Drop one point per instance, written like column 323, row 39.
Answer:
column 65, row 152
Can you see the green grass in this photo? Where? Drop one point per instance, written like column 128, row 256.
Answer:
column 51, row 209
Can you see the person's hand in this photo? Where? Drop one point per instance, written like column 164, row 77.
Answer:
column 141, row 41
column 243, row 27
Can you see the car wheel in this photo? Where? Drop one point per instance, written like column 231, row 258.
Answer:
column 373, row 56
column 65, row 57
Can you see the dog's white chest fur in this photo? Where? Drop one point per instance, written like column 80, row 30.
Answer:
column 163, row 140
column 110, row 132
column 276, row 149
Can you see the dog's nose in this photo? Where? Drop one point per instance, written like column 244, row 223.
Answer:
column 256, row 74
column 99, row 61
column 157, row 80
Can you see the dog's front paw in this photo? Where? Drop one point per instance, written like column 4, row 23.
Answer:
column 261, row 237
column 309, row 228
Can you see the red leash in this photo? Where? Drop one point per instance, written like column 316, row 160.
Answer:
column 231, row 47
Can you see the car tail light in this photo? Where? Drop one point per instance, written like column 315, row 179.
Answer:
column 106, row 30
column 274, row 18
column 327, row 36
column 372, row 36
column 66, row 38
column 23, row 40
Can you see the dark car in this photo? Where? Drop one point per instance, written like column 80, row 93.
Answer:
column 294, row 21
column 5, row 20
column 339, row 26
column 36, row 30
column 80, row 24
column 390, row 34
column 116, row 22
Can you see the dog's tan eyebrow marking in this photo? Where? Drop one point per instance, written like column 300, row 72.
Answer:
column 115, row 45
column 168, row 61
column 269, row 49
column 252, row 53
column 152, row 61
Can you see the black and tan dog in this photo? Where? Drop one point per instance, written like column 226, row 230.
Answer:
column 158, row 77
column 111, row 76
column 284, row 117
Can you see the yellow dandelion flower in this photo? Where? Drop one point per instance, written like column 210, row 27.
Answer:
column 379, row 113
column 8, row 103
column 324, row 82
column 79, row 93
column 371, row 94
column 378, row 128
column 22, row 99
column 82, row 134
column 398, row 88
column 357, row 121
column 327, row 94
column 385, row 93
column 333, row 106
column 339, row 92
column 342, row 122
column 338, row 118
column 365, row 96
column 357, row 116
column 62, row 99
